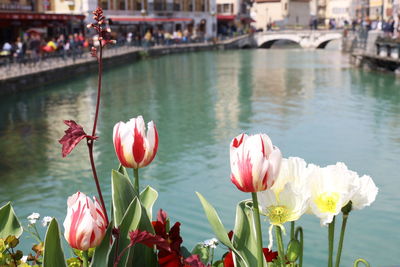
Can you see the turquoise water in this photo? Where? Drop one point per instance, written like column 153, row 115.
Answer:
column 311, row 103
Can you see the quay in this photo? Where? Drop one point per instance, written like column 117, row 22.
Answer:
column 20, row 77
column 376, row 52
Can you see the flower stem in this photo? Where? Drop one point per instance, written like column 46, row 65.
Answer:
column 281, row 249
column 292, row 230
column 299, row 230
column 100, row 74
column 90, row 142
column 260, row 255
column 363, row 261
column 331, row 236
column 340, row 246
column 85, row 258
column 96, row 179
column 136, row 184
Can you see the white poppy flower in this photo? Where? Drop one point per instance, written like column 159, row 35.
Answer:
column 365, row 194
column 332, row 188
column 286, row 206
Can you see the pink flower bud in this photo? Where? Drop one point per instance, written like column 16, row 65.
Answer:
column 255, row 162
column 85, row 223
column 133, row 147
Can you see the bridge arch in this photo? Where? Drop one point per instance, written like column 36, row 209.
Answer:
column 323, row 41
column 267, row 41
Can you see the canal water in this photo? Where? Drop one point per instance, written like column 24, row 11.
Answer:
column 312, row 104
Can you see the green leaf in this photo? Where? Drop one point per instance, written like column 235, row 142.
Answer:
column 122, row 170
column 122, row 195
column 203, row 252
column 143, row 255
column 245, row 238
column 219, row 263
column 185, row 252
column 215, row 222
column 219, row 229
column 53, row 253
column 129, row 222
column 148, row 197
column 9, row 223
column 102, row 252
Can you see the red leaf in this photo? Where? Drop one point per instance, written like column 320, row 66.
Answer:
column 162, row 216
column 73, row 135
column 148, row 239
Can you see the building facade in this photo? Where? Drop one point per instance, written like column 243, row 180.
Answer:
column 233, row 16
column 282, row 13
column 19, row 18
column 339, row 11
column 193, row 16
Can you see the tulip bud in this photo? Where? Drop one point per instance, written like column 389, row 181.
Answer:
column 255, row 162
column 85, row 224
column 135, row 148
column 293, row 250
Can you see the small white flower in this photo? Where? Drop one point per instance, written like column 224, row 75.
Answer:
column 46, row 220
column 33, row 217
column 212, row 243
column 24, row 258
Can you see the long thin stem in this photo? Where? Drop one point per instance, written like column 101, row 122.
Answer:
column 100, row 74
column 36, row 231
column 90, row 142
column 136, row 184
column 331, row 236
column 340, row 246
column 292, row 230
column 96, row 179
column 85, row 258
column 299, row 231
column 260, row 255
column 281, row 249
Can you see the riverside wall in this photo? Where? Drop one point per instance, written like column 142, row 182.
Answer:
column 18, row 80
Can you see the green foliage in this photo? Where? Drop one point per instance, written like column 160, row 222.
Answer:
column 148, row 197
column 53, row 252
column 203, row 252
column 9, row 223
column 102, row 252
column 245, row 239
column 293, row 250
column 129, row 223
column 122, row 195
column 218, row 227
column 134, row 217
column 9, row 256
column 219, row 263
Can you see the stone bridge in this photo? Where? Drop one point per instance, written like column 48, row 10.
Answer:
column 306, row 39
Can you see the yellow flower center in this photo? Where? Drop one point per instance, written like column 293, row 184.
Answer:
column 327, row 202
column 278, row 214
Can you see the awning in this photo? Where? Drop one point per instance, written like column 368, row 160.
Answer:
column 226, row 17
column 144, row 19
column 39, row 16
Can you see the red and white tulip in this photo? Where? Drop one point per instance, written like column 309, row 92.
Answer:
column 85, row 224
column 135, row 148
column 255, row 162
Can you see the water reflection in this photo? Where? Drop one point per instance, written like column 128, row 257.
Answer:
column 310, row 103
